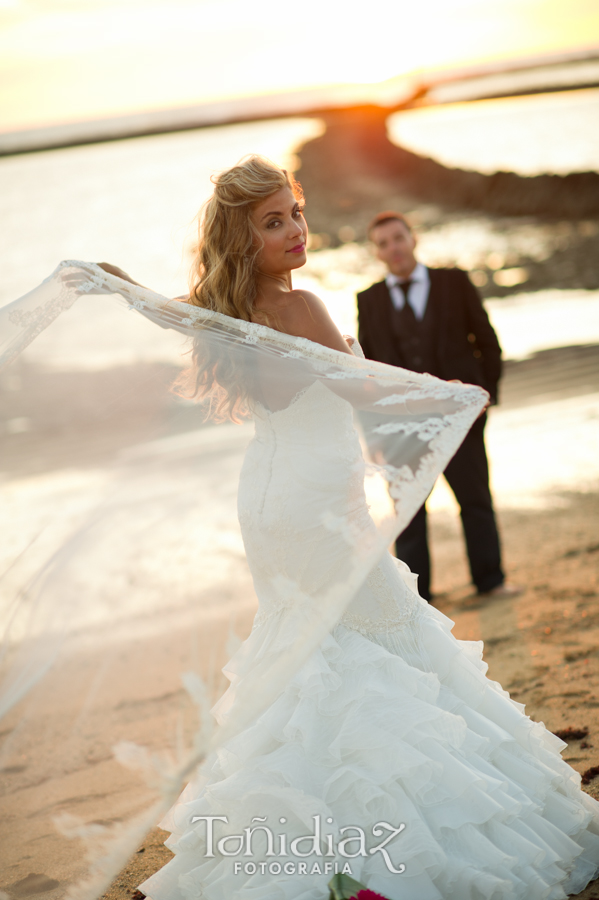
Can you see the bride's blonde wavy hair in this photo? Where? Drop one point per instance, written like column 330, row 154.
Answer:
column 223, row 277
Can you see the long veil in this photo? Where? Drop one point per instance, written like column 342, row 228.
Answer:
column 125, row 588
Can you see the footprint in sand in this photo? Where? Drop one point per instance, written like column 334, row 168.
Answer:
column 33, row 884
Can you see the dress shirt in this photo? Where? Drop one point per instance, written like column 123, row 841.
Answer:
column 417, row 293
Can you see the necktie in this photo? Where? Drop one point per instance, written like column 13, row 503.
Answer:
column 405, row 287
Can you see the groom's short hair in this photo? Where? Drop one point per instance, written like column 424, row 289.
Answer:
column 388, row 216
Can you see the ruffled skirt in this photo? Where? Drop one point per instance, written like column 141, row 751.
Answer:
column 375, row 732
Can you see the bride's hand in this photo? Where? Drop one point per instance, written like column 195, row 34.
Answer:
column 353, row 345
column 114, row 270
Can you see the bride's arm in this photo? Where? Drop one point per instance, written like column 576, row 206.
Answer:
column 114, row 270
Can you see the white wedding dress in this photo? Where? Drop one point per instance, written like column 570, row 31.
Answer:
column 391, row 721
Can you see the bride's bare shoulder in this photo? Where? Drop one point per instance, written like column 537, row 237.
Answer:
column 303, row 314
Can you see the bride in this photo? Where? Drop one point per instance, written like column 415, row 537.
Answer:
column 378, row 747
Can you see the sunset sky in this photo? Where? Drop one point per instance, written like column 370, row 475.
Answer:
column 65, row 60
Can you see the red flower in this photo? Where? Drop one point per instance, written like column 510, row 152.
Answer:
column 368, row 895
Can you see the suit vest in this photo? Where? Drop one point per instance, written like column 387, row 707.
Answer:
column 416, row 338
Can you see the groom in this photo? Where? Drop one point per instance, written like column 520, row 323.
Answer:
column 433, row 320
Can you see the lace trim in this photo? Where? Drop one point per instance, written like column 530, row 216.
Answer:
column 384, row 625
column 197, row 317
column 417, row 393
column 33, row 322
column 182, row 314
column 424, row 430
column 397, row 617
column 42, row 315
column 289, row 594
column 177, row 313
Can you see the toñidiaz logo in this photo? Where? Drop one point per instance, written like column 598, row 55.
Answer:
column 317, row 853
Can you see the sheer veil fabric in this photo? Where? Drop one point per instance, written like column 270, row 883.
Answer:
column 122, row 612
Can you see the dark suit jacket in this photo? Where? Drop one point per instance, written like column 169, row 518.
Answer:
column 465, row 344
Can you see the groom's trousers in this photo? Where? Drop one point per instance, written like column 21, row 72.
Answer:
column 468, row 476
